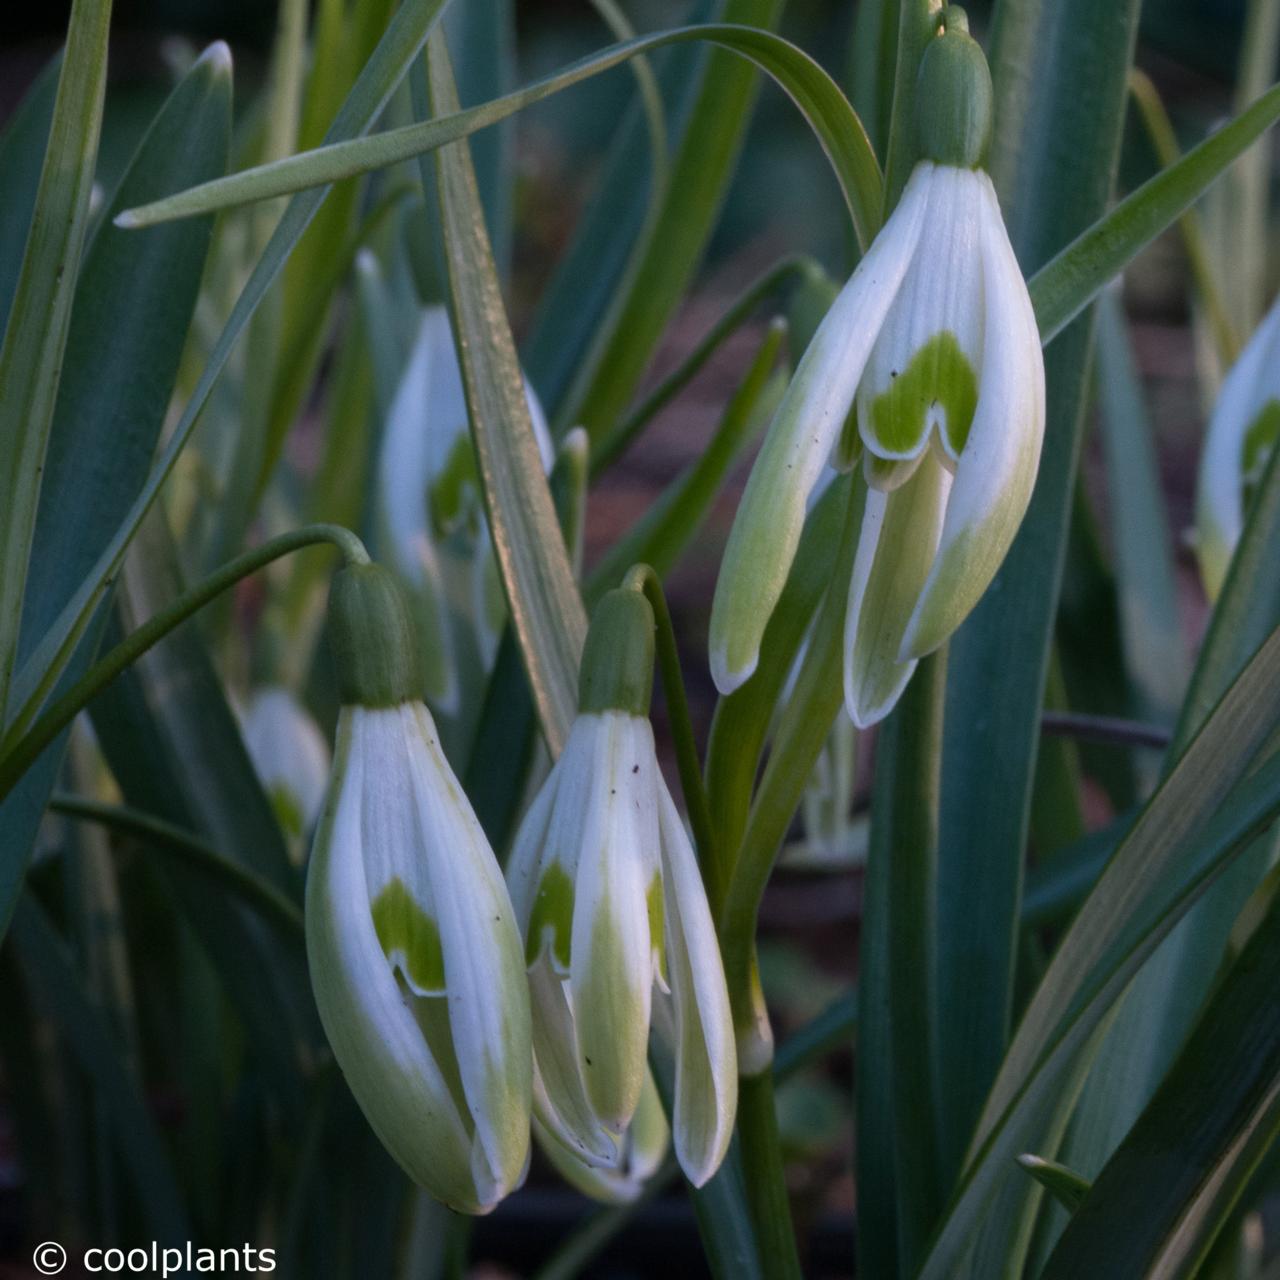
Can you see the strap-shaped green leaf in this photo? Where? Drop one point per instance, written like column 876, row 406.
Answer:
column 546, row 609
column 36, row 330
column 1062, row 288
column 21, row 151
column 1159, row 1202
column 400, row 44
column 50, row 972
column 133, row 306
column 814, row 92
column 1208, row 809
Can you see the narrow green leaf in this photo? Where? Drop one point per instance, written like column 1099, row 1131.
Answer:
column 224, row 872
column 399, row 45
column 825, row 108
column 132, row 309
column 1062, row 288
column 916, row 25
column 660, row 536
column 173, row 745
column 36, row 328
column 51, row 974
column 481, row 34
column 1151, row 627
column 1207, row 810
column 741, row 722
column 22, row 150
column 1161, row 1009
column 1159, row 1202
column 1060, row 83
column 627, row 195
column 1065, row 1185
column 902, row 1082
column 546, row 610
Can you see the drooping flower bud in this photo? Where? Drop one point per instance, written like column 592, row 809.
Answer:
column 932, row 346
column 429, row 496
column 290, row 757
column 1241, row 438
column 414, row 953
column 615, row 918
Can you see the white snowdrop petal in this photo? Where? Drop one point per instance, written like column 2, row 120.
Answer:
column 766, row 530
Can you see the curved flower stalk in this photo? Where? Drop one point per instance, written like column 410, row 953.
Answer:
column 928, row 369
column 641, row 1152
column 429, row 494
column 290, row 757
column 1242, row 434
column 414, row 953
column 616, row 923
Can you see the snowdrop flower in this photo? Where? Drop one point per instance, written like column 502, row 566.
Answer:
column 414, row 953
column 289, row 755
column 616, row 923
column 1242, row 435
column 928, row 367
column 429, row 490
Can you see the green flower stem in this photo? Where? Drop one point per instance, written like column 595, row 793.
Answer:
column 918, row 22
column 766, row 1183
column 1164, row 142
column 247, row 885
column 24, row 744
column 804, row 726
column 642, row 578
column 829, row 1031
column 772, row 281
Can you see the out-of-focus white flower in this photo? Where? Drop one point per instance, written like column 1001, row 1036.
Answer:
column 414, row 952
column 615, row 919
column 1242, row 435
column 290, row 756
column 429, row 490
column 927, row 367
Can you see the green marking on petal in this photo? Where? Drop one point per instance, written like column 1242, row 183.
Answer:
column 409, row 937
column 939, row 375
column 448, row 495
column 657, row 923
column 287, row 811
column 552, row 911
column 1259, row 441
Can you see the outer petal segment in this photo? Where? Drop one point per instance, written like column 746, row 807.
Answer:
column 706, row 1089
column 997, row 467
column 766, row 530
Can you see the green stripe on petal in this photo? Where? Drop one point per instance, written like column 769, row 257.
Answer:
column 938, row 383
column 409, row 937
column 551, row 920
column 1259, row 441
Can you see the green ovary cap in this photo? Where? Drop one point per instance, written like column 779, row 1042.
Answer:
column 372, row 638
column 954, row 96
column 617, row 660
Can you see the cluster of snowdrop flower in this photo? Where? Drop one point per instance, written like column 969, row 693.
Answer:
column 424, row 970
column 1242, row 435
column 468, row 1010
